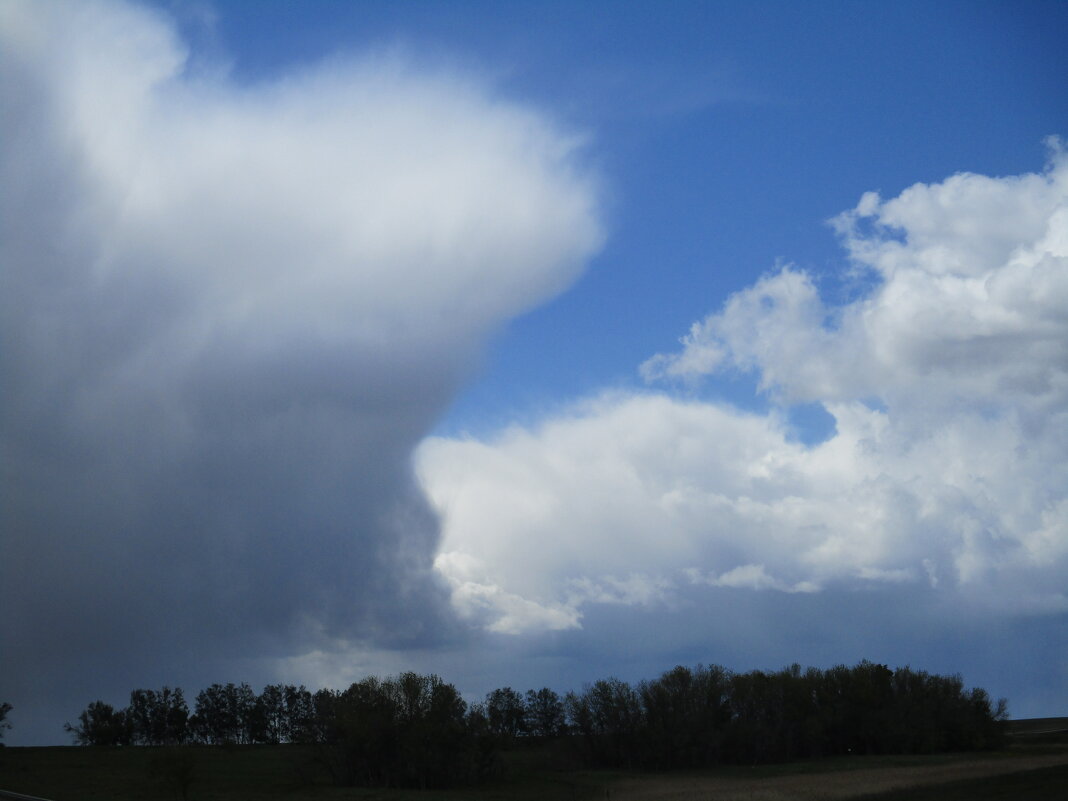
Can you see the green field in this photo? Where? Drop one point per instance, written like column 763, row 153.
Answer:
column 1032, row 770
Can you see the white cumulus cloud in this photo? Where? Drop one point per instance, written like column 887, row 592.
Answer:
column 947, row 468
column 970, row 307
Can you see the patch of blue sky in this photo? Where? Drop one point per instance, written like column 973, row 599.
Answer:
column 810, row 423
column 726, row 135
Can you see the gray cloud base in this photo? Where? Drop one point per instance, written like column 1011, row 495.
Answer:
column 229, row 314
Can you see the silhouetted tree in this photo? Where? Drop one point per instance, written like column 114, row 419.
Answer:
column 506, row 712
column 225, row 714
column 269, row 722
column 544, row 713
column 579, row 715
column 140, row 714
column 170, row 717
column 699, row 717
column 5, row 724
column 280, row 714
column 685, row 715
column 486, row 760
column 409, row 731
column 416, row 731
column 608, row 714
column 158, row 718
column 101, row 724
column 300, row 708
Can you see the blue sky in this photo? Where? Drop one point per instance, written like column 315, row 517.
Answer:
column 530, row 343
column 726, row 135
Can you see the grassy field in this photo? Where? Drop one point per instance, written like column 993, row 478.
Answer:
column 1039, row 727
column 1029, row 769
column 1041, row 784
column 208, row 773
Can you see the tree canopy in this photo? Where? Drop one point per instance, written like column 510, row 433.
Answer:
column 415, row 730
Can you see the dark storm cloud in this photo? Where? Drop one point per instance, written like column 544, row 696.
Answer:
column 228, row 317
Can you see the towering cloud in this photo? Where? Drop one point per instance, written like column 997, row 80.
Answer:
column 229, row 313
column 945, row 478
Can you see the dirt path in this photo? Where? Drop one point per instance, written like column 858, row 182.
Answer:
column 822, row 786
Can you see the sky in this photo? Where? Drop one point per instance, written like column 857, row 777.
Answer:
column 529, row 344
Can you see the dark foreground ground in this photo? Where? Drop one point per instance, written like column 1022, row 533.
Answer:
column 1034, row 767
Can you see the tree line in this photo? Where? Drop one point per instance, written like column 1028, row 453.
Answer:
column 5, row 707
column 417, row 731
column 705, row 716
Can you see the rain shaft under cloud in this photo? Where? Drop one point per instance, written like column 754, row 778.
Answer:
column 229, row 314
